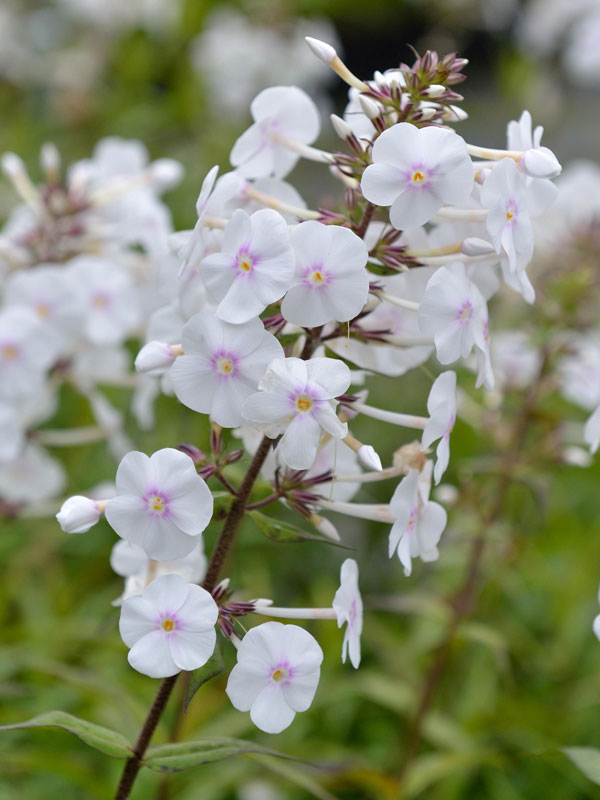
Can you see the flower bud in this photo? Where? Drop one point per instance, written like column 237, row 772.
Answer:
column 455, row 114
column 50, row 160
column 370, row 108
column 435, row 90
column 323, row 51
column 325, row 526
column 166, row 173
column 13, row 166
column 154, row 358
column 540, row 162
column 78, row 514
column 472, row 246
column 341, row 127
column 428, row 113
column 368, row 457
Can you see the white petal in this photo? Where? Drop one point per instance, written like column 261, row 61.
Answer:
column 245, row 684
column 199, row 610
column 270, row 712
column 138, row 618
column 300, row 691
column 192, row 649
column 331, row 374
column 167, row 594
column 298, row 447
column 151, row 656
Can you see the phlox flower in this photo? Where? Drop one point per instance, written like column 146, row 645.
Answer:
column 348, row 607
column 162, row 504
column 78, row 514
column 279, row 113
column 32, row 477
column 441, row 406
column 537, row 162
column 169, row 627
column 419, row 523
column 27, row 350
column 416, row 171
column 276, row 674
column 331, row 282
column 221, row 366
column 254, row 268
column 296, row 399
column 452, row 311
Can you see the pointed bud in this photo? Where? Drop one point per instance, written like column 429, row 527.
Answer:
column 540, row 162
column 428, row 113
column 234, row 456
column 435, row 90
column 323, row 51
column 326, row 527
column 78, row 514
column 154, row 358
column 380, row 80
column 341, row 127
column 50, row 161
column 368, row 457
column 370, row 108
column 455, row 114
column 472, row 246
column 13, row 166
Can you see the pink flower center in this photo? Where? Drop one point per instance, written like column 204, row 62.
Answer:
column 282, row 673
column 512, row 212
column 157, row 505
column 465, row 313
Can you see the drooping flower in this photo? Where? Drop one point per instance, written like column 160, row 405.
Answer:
column 276, row 674
column 280, row 113
column 348, row 607
column 162, row 504
column 331, row 282
column 254, row 268
column 296, row 399
column 441, row 405
column 416, row 171
column 419, row 523
column 169, row 627
column 452, row 310
column 221, row 366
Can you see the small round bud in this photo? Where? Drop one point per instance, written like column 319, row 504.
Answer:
column 428, row 113
column 78, row 514
column 368, row 457
column 166, row 173
column 323, row 51
column 472, row 246
column 154, row 358
column 540, row 162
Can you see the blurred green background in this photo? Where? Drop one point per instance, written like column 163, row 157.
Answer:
column 524, row 674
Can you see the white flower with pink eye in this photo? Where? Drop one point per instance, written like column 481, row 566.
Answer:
column 416, row 171
column 162, row 504
column 169, row 627
column 452, row 310
column 419, row 523
column 296, row 399
column 348, row 607
column 221, row 366
column 280, row 114
column 27, row 349
column 331, row 282
column 441, row 406
column 276, row 675
column 254, row 268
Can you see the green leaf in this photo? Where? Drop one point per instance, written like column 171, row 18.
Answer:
column 182, row 755
column 587, row 759
column 109, row 742
column 284, row 532
column 291, row 773
column 434, row 767
column 288, row 339
column 210, row 670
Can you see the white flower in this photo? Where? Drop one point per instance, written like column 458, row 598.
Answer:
column 419, row 523
column 78, row 514
column 537, row 161
column 154, row 358
column 452, row 310
column 27, row 349
column 162, row 504
column 276, row 674
column 296, row 399
column 32, row 477
column 221, row 366
column 441, row 405
column 12, row 435
column 169, row 627
column 280, row 113
column 591, row 432
column 331, row 282
column 254, row 268
column 416, row 171
column 348, row 607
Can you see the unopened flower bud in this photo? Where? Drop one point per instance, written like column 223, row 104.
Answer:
column 154, row 358
column 78, row 514
column 435, row 90
column 368, row 457
column 341, row 127
column 455, row 114
column 50, row 160
column 323, row 51
column 577, row 457
column 166, row 173
column 540, row 162
column 472, row 246
column 370, row 108
column 234, row 456
column 428, row 113
column 13, row 166
column 193, row 452
column 380, row 80
column 325, row 526
column 482, row 174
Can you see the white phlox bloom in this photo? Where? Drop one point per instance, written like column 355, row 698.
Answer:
column 331, row 281
column 12, row 434
column 361, row 125
column 296, row 399
column 537, row 162
column 453, row 312
column 194, row 250
column 276, row 674
column 162, row 504
column 441, row 406
column 169, row 627
column 419, row 523
column 221, row 366
column 27, row 350
column 32, row 477
column 134, row 564
column 106, row 297
column 591, row 431
column 280, row 113
column 416, row 171
column 579, row 371
column 254, row 268
column 516, row 360
column 78, row 514
column 348, row 607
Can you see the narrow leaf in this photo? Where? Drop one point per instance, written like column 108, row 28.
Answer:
column 587, row 759
column 284, row 532
column 182, row 755
column 291, row 773
column 210, row 670
column 109, row 742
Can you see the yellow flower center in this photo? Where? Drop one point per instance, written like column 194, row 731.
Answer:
column 418, row 177
column 157, row 503
column 245, row 263
column 303, row 403
column 9, row 352
column 509, row 215
column 279, row 675
column 43, row 310
column 225, row 365
column 100, row 301
column 317, row 277
column 168, row 625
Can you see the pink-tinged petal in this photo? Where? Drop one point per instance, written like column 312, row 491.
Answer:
column 245, row 683
column 138, row 618
column 382, row 183
column 191, row 649
column 299, row 692
column 414, row 207
column 167, row 593
column 199, row 610
column 151, row 656
column 298, row 447
column 331, row 374
column 164, row 541
column 127, row 516
column 270, row 711
column 133, row 474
